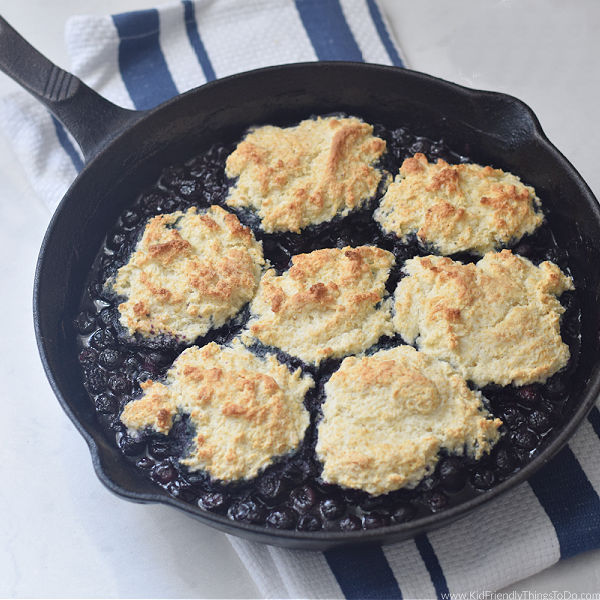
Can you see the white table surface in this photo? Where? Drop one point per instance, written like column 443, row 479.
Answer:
column 62, row 534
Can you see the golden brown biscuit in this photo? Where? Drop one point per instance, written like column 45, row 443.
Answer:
column 386, row 417
column 458, row 208
column 497, row 321
column 304, row 175
column 190, row 272
column 326, row 304
column 246, row 410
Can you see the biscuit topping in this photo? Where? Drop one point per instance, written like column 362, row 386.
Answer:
column 190, row 272
column 458, row 208
column 326, row 305
column 246, row 410
column 497, row 321
column 386, row 417
column 304, row 175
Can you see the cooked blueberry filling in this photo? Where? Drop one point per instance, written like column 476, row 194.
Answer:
column 289, row 494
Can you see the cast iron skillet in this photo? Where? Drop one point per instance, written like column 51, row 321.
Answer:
column 125, row 151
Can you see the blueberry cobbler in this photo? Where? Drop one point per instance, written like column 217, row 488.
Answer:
column 330, row 326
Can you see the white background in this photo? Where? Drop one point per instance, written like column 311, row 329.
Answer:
column 61, row 533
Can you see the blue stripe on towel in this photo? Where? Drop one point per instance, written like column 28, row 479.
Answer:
column 141, row 61
column 191, row 27
column 594, row 419
column 570, row 501
column 67, row 145
column 363, row 572
column 328, row 30
column 384, row 34
column 433, row 566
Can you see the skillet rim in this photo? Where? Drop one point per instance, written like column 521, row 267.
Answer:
column 323, row 539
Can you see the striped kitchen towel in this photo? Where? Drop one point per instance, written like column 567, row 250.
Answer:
column 141, row 58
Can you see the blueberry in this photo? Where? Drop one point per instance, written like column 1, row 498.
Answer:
column 164, row 473
column 130, row 446
column 188, row 188
column 439, row 150
column 247, row 511
column 271, row 488
column 522, row 455
column 403, row 513
column 282, row 518
column 350, row 523
column 332, row 509
column 436, row 501
column 85, row 322
column 159, row 448
column 130, row 218
column 97, row 290
column 555, row 389
column 87, row 357
column 512, row 416
column 152, row 203
column 554, row 411
column 402, row 136
column 144, row 462
column 96, row 381
column 428, row 483
column 103, row 338
column 483, row 478
column 108, row 271
column 106, row 404
column 529, row 395
column 452, row 474
column 144, row 376
column 372, row 502
column 216, row 154
column 114, row 422
column 505, row 460
column 171, row 177
column 421, row 145
column 115, row 240
column 131, row 364
column 539, row 421
column 110, row 358
column 375, row 520
column 169, row 205
column 174, row 489
column 108, row 316
column 196, row 478
column 118, row 384
column 309, row 523
column 525, row 438
column 213, row 501
column 303, row 498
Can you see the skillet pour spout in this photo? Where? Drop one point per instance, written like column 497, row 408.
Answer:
column 125, row 151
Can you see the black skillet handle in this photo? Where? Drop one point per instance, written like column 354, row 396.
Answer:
column 91, row 119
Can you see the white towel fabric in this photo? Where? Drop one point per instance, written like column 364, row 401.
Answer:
column 556, row 514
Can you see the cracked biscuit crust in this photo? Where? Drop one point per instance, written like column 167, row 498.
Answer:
column 387, row 416
column 304, row 175
column 326, row 305
column 458, row 208
column 497, row 321
column 190, row 272
column 246, row 410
